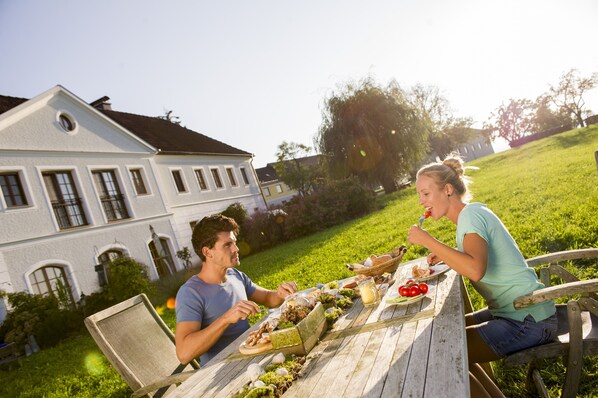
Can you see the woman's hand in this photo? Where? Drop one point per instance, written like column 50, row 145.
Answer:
column 433, row 259
column 417, row 236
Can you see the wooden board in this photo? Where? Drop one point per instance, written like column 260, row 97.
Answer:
column 256, row 349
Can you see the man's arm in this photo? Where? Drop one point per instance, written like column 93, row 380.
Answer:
column 192, row 341
column 273, row 298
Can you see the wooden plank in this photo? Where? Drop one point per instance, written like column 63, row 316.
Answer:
column 395, row 379
column 415, row 378
column 314, row 368
column 351, row 359
column 238, row 376
column 363, row 371
column 378, row 374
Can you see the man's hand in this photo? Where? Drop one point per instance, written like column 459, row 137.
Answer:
column 285, row 289
column 241, row 310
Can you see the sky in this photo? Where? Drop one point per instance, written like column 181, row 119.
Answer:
column 256, row 73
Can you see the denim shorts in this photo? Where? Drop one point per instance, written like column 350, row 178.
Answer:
column 506, row 336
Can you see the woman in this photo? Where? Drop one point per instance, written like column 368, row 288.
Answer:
column 487, row 255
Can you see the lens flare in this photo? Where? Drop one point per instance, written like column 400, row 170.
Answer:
column 244, row 248
column 94, row 364
column 171, row 303
column 362, row 153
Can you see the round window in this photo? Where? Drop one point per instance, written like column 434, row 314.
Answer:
column 66, row 122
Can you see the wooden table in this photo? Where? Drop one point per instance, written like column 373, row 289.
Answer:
column 417, row 350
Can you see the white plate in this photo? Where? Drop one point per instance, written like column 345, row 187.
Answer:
column 438, row 269
column 410, row 300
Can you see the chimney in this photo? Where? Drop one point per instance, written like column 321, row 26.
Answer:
column 102, row 104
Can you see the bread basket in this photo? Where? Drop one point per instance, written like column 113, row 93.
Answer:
column 388, row 266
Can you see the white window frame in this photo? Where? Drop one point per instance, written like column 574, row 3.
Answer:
column 77, row 181
column 205, row 180
column 121, row 185
column 267, row 191
column 143, row 176
column 183, row 179
column 244, row 175
column 232, row 179
column 26, row 191
column 219, row 177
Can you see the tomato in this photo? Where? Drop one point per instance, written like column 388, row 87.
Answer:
column 409, row 282
column 423, row 288
column 414, row 291
column 404, row 291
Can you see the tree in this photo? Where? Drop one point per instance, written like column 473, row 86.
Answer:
column 371, row 132
column 294, row 171
column 512, row 121
column 567, row 96
column 546, row 118
column 445, row 131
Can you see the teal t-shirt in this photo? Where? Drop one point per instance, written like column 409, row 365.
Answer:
column 507, row 274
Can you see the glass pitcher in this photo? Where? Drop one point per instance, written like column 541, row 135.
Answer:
column 369, row 292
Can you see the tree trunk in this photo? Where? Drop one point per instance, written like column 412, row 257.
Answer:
column 389, row 185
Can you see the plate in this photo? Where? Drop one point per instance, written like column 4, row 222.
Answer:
column 407, row 301
column 255, row 349
column 437, row 269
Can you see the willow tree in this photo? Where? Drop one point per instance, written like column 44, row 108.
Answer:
column 371, row 132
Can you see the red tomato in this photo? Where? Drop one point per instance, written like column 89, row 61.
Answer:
column 414, row 291
column 423, row 288
column 404, row 291
column 409, row 282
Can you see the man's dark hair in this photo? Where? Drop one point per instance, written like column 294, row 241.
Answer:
column 205, row 232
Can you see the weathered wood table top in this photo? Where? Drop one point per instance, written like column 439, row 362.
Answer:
column 387, row 350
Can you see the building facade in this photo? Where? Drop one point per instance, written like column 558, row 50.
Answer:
column 83, row 184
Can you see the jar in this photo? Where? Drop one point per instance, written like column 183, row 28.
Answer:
column 369, row 292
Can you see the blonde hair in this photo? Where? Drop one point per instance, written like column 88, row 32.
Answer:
column 449, row 171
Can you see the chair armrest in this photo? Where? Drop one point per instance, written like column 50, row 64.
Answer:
column 548, row 293
column 167, row 381
column 562, row 256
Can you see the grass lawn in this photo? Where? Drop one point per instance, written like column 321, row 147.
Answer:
column 545, row 192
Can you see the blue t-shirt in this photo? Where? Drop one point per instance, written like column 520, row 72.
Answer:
column 198, row 301
column 507, row 274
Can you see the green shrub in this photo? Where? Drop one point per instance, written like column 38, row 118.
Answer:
column 40, row 316
column 332, row 204
column 127, row 278
column 261, row 231
column 237, row 212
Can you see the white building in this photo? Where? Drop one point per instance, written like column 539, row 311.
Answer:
column 82, row 184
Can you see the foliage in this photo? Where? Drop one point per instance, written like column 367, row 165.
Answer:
column 39, row 316
column 262, row 230
column 185, row 255
column 544, row 198
column 237, row 212
column 75, row 367
column 127, row 278
column 293, row 169
column 512, row 121
column 371, row 132
column 568, row 94
column 334, row 203
column 445, row 131
column 546, row 118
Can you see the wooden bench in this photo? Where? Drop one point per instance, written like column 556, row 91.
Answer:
column 8, row 353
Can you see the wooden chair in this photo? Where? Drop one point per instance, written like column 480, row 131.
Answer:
column 578, row 321
column 140, row 346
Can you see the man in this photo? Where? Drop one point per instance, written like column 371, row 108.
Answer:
column 212, row 307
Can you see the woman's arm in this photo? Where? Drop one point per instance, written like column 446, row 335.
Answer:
column 470, row 263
